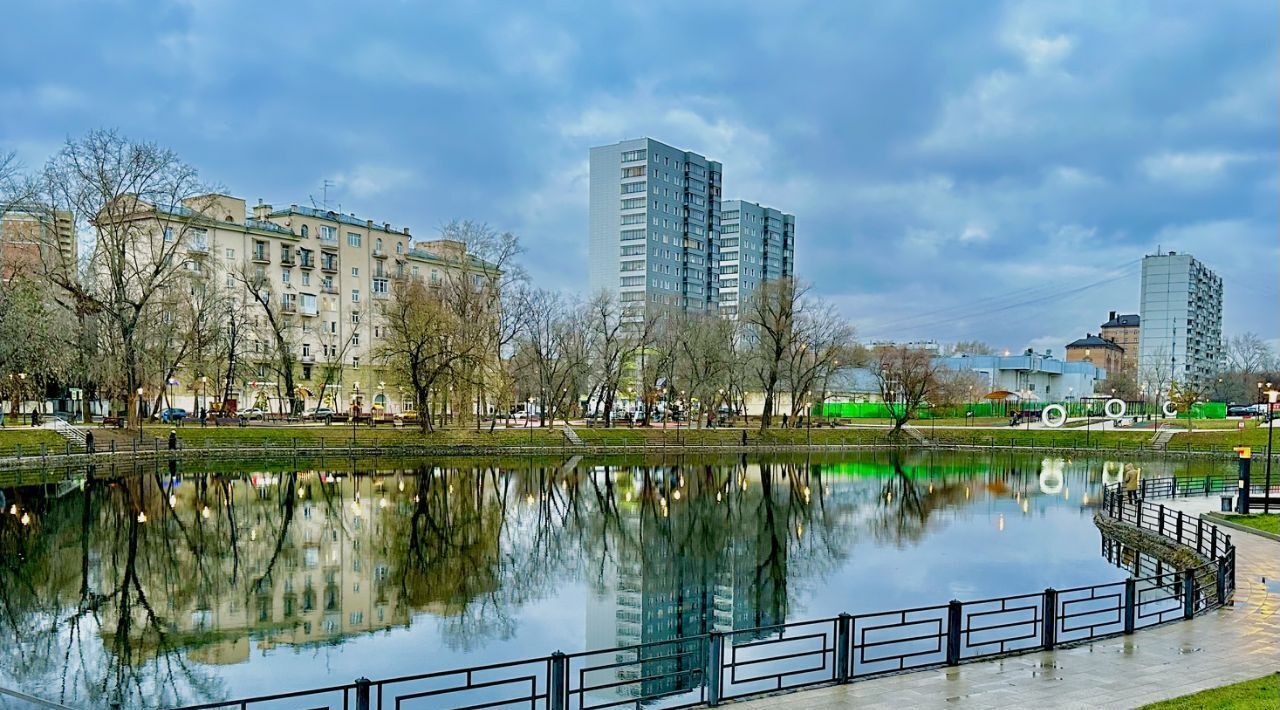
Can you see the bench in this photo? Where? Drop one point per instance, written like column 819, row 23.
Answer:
column 117, row 422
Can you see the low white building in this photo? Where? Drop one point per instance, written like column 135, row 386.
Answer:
column 1032, row 376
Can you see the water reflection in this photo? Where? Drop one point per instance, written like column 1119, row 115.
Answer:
column 152, row 588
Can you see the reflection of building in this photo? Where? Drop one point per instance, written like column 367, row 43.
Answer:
column 314, row 578
column 683, row 578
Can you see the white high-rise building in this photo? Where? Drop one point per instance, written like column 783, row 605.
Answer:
column 1181, row 336
column 654, row 226
column 757, row 244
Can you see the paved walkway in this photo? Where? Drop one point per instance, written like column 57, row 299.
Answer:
column 1225, row 646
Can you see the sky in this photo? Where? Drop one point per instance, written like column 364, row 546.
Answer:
column 976, row 170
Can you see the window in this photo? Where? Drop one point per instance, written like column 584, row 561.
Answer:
column 286, row 256
column 633, row 250
column 355, row 295
column 633, row 219
column 399, row 248
column 306, row 233
column 260, row 251
column 377, row 246
column 231, row 254
column 632, row 155
column 632, row 172
column 632, row 281
column 355, row 338
column 168, row 234
column 284, row 275
column 634, row 187
column 355, row 271
column 633, row 203
column 355, row 363
column 308, row 302
column 355, row 317
column 306, row 278
column 333, row 327
column 379, row 286
column 306, row 372
column 328, row 234
column 353, row 239
column 632, row 234
column 435, row 276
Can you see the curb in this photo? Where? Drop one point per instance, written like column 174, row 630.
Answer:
column 1220, row 519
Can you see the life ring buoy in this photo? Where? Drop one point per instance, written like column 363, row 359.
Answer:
column 1170, row 410
column 1112, row 472
column 1054, row 416
column 1106, row 409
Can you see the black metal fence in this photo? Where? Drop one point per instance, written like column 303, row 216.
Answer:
column 706, row 669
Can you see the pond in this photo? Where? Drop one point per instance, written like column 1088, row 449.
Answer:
column 178, row 585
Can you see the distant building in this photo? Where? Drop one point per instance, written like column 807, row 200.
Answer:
column 32, row 240
column 1124, row 330
column 1031, row 376
column 1181, row 335
column 930, row 346
column 757, row 244
column 653, row 226
column 1097, row 350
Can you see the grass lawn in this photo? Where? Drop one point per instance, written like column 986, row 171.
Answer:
column 1258, row 521
column 1259, row 694
column 11, row 438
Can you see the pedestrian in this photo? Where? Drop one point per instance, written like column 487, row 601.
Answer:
column 744, row 437
column 1132, row 477
column 784, row 421
column 204, row 418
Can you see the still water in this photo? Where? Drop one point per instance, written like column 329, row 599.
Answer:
column 180, row 585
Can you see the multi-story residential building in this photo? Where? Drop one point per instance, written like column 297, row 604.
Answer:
column 654, row 226
column 757, row 244
column 1123, row 330
column 31, row 241
column 1181, row 334
column 1097, row 350
column 326, row 275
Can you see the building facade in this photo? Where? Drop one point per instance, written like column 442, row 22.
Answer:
column 1097, row 350
column 1031, row 376
column 32, row 241
column 757, row 244
column 654, row 226
column 325, row 275
column 1181, row 334
column 1124, row 330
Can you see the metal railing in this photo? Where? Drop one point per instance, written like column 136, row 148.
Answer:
column 706, row 669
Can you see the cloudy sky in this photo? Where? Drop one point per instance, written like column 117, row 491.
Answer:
column 958, row 170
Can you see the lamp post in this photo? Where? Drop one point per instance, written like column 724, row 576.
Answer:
column 140, row 414
column 1272, row 395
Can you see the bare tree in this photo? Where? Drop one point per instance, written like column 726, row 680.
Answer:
column 823, row 340
column 128, row 193
column 770, row 318
column 907, row 378
column 277, row 330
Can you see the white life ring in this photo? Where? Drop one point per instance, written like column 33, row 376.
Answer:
column 1170, row 410
column 1054, row 420
column 1051, row 478
column 1112, row 472
column 1106, row 409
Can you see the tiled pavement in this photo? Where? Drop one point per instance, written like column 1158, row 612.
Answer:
column 1225, row 646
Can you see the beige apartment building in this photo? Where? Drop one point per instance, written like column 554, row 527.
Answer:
column 1124, row 330
column 327, row 274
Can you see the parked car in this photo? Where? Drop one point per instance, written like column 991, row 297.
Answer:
column 1240, row 410
column 252, row 413
column 172, row 414
column 318, row 413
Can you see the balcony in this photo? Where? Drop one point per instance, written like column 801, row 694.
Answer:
column 306, row 263
column 307, row 359
column 329, row 246
column 289, row 307
column 331, row 290
column 286, row 261
column 379, row 254
column 260, row 257
column 329, row 267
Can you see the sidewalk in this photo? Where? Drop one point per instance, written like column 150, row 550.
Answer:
column 1226, row 646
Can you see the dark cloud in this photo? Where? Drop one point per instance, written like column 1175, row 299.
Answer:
column 936, row 154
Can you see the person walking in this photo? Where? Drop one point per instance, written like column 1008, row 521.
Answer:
column 1132, row 479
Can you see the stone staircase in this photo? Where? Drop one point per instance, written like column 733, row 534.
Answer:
column 1161, row 439
column 73, row 434
column 571, row 435
column 914, row 433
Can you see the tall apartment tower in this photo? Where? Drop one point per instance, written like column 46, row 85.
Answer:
column 757, row 244
column 1181, row 316
column 654, row 226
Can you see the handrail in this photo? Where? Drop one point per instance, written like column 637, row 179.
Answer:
column 705, row 670
column 33, row 700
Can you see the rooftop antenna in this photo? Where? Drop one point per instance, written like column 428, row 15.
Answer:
column 324, row 196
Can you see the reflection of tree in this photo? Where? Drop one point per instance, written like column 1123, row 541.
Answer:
column 905, row 507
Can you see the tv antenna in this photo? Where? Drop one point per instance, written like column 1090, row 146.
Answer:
column 324, row 196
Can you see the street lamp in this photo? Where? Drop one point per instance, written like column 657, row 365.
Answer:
column 139, row 413
column 1272, row 395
